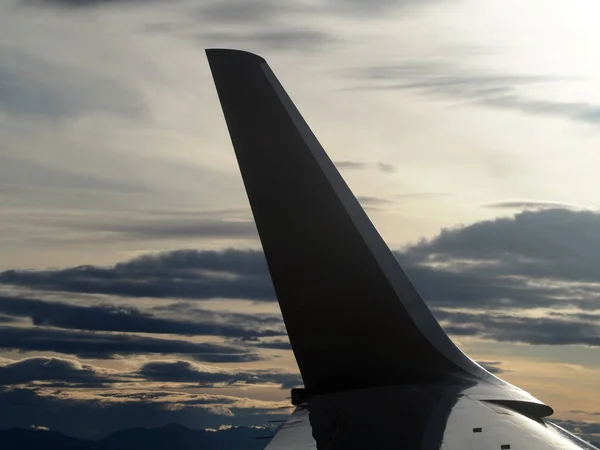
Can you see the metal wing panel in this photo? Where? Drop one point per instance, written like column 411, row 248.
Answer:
column 416, row 418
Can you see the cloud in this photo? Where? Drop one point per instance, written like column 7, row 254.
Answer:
column 257, row 11
column 521, row 261
column 532, row 204
column 529, row 245
column 276, row 344
column 577, row 111
column 530, row 330
column 187, row 372
column 35, row 87
column 80, row 4
column 513, row 268
column 580, row 427
column 277, row 39
column 353, row 165
column 128, row 319
column 95, row 415
column 494, row 90
column 187, row 274
column 42, row 371
column 588, row 431
column 377, row 7
column 373, row 202
column 106, row 346
column 274, row 26
column 386, row 168
column 41, row 368
column 492, row 366
column 176, row 228
column 357, row 165
column 588, row 413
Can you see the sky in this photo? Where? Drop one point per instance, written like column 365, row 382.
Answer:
column 133, row 291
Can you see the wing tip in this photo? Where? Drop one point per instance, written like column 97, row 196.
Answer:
column 233, row 54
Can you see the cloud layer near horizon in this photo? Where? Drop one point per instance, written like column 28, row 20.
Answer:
column 532, row 278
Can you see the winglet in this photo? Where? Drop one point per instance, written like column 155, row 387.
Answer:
column 353, row 317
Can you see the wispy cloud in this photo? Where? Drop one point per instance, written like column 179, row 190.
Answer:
column 66, row 371
column 43, row 88
column 360, row 165
column 187, row 372
column 106, row 345
column 532, row 204
column 107, row 317
column 475, row 86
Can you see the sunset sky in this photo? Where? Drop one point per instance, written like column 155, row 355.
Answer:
column 133, row 291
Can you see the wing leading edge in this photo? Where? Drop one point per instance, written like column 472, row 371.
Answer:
column 353, row 317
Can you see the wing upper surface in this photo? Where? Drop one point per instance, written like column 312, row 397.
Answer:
column 416, row 418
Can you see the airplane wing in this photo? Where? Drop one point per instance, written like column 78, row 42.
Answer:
column 378, row 370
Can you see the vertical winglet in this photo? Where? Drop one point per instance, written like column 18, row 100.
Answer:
column 353, row 317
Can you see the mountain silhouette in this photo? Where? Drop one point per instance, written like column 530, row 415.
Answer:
column 169, row 437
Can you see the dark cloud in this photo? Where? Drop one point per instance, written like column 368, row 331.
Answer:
column 530, row 330
column 535, row 259
column 186, row 372
column 373, row 203
column 90, row 416
column 546, row 258
column 491, row 263
column 230, row 261
column 40, row 88
column 256, row 320
column 494, row 90
column 43, row 368
column 129, row 319
column 277, row 344
column 42, row 371
column 356, row 165
column 584, row 427
column 530, row 204
column 588, row 431
column 177, row 228
column 151, row 224
column 387, row 168
column 579, row 411
column 492, row 366
column 105, row 345
column 181, row 274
